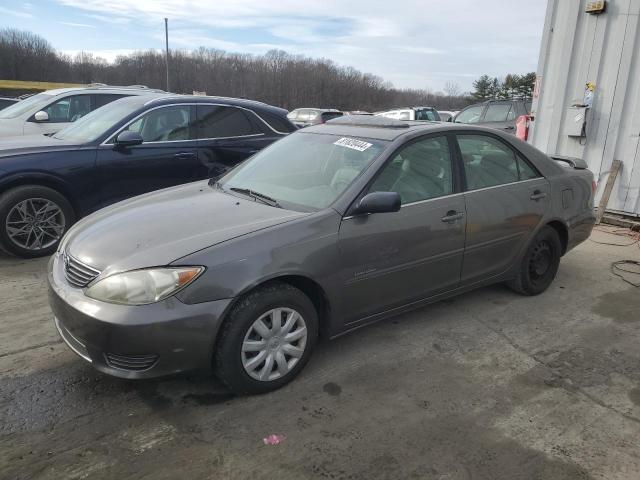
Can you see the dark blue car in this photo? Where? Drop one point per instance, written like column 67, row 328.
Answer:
column 127, row 148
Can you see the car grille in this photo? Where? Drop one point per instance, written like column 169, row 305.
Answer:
column 77, row 273
column 131, row 362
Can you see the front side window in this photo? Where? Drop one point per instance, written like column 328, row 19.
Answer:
column 470, row 115
column 305, row 171
column 69, row 109
column 499, row 112
column 419, row 171
column 222, row 122
column 489, row 162
column 164, row 124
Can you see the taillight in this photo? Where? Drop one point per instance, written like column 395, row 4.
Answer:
column 522, row 127
column 593, row 186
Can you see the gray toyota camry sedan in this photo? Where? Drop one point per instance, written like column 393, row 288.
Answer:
column 329, row 229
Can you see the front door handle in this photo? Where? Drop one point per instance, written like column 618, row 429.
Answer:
column 452, row 216
column 537, row 195
column 184, row 155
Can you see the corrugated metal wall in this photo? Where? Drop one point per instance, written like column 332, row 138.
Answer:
column 578, row 48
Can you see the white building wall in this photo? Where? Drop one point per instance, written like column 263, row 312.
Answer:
column 605, row 49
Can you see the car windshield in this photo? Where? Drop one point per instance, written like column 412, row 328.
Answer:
column 304, row 171
column 95, row 124
column 17, row 109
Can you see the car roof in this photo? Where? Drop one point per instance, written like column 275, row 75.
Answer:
column 132, row 89
column 159, row 99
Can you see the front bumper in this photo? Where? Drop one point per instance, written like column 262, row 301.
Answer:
column 133, row 342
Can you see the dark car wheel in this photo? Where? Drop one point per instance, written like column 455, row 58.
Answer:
column 33, row 219
column 539, row 264
column 266, row 339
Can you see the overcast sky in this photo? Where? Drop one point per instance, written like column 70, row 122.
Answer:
column 413, row 43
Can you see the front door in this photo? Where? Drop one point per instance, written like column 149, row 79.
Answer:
column 395, row 258
column 506, row 200
column 167, row 156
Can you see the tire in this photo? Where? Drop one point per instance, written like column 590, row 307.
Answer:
column 51, row 212
column 539, row 264
column 230, row 358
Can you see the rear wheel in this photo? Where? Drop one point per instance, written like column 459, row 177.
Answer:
column 266, row 340
column 33, row 220
column 539, row 264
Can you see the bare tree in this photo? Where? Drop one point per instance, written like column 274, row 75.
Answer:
column 277, row 77
column 452, row 89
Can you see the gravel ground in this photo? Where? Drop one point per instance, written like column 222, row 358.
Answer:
column 487, row 385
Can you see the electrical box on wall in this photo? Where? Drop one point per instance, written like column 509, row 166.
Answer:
column 575, row 121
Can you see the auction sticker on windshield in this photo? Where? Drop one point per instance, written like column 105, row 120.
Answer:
column 358, row 145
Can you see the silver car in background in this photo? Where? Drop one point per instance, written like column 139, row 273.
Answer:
column 325, row 231
column 48, row 112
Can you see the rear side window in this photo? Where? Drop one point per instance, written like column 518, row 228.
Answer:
column 427, row 115
column 499, row 112
column 488, row 162
column 69, row 109
column 277, row 122
column 470, row 115
column 102, row 99
column 216, row 121
column 326, row 116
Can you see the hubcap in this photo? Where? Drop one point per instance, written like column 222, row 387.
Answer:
column 35, row 223
column 274, row 344
column 540, row 260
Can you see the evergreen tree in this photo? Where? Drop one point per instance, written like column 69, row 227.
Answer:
column 482, row 88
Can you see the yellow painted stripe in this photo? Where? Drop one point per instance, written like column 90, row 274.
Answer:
column 24, row 85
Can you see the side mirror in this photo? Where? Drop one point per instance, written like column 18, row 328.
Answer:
column 128, row 139
column 41, row 116
column 450, row 119
column 378, row 202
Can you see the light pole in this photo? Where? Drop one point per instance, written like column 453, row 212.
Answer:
column 166, row 38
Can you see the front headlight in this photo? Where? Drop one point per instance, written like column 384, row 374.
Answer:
column 140, row 287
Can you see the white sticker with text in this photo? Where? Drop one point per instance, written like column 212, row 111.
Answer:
column 358, row 145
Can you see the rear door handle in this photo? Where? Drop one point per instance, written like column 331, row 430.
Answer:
column 537, row 195
column 452, row 216
column 184, row 155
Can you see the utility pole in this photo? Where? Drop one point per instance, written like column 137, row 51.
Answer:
column 166, row 38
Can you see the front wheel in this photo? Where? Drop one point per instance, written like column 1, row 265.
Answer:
column 266, row 339
column 539, row 264
column 33, row 220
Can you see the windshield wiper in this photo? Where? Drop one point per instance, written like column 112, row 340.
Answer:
column 266, row 199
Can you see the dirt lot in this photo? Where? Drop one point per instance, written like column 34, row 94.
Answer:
column 488, row 385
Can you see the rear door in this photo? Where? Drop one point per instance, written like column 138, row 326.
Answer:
column 167, row 157
column 500, row 115
column 228, row 135
column 396, row 258
column 506, row 200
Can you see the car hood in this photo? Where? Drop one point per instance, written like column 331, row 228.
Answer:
column 27, row 144
column 161, row 227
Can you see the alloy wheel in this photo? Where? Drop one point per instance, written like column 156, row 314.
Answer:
column 274, row 344
column 35, row 223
